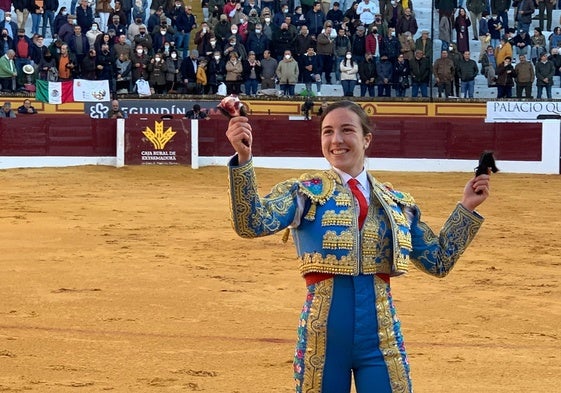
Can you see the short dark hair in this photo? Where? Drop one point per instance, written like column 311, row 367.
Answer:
column 196, row 107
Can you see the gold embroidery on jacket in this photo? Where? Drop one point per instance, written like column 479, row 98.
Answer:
column 342, row 218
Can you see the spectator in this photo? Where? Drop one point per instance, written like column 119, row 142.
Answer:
column 157, row 69
column 61, row 19
column 126, row 6
column 7, row 111
column 123, row 68
column 202, row 40
column 5, row 6
column 117, row 26
column 326, row 49
column 22, row 8
column 278, row 17
column 476, row 9
column 420, row 69
column 251, row 74
column 234, row 45
column 268, row 70
column 367, row 75
column 495, row 27
column 335, row 15
column 555, row 38
column 505, row 78
column 407, row 23
column 445, row 32
column 92, row 34
column 103, row 9
column 349, row 72
column 36, row 16
column 184, row 24
column 122, row 47
column 88, row 66
column 140, row 61
column 358, row 44
column 500, row 8
column 173, row 72
column 287, row 74
column 544, row 75
column 118, row 11
column 47, row 68
column 366, row 11
column 38, row 48
column 456, row 57
column 139, row 9
column 342, row 45
column 24, row 52
column 103, row 39
column 444, row 71
column 524, row 74
column 105, row 64
column 526, row 9
column 134, row 29
column 188, row 69
column 503, row 50
column 352, row 16
column 27, row 108
column 522, row 42
column 545, row 7
column 299, row 18
column 79, row 45
column 202, row 79
column 249, row 6
column 258, row 42
column 196, row 113
column 461, row 25
column 143, row 38
column 467, row 71
column 234, row 72
column 446, row 10
column 283, row 40
column 8, row 71
column 315, row 19
column 267, row 24
column 424, row 43
column 84, row 15
column 216, row 72
column 310, row 69
column 391, row 46
column 302, row 42
column 483, row 30
column 116, row 112
column 407, row 45
column 555, row 58
column 156, row 18
column 67, row 29
column 489, row 65
column 10, row 26
column 393, row 13
column 538, row 45
column 401, row 76
column 384, row 72
column 5, row 42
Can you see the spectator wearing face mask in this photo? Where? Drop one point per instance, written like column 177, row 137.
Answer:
column 234, row 45
column 202, row 40
column 157, row 69
column 93, row 33
column 216, row 72
column 143, row 38
column 134, row 29
column 60, row 20
column 140, row 61
column 257, row 42
column 162, row 38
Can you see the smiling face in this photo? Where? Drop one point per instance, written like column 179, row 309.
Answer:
column 343, row 140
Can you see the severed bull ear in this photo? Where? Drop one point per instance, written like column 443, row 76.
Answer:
column 231, row 106
column 486, row 164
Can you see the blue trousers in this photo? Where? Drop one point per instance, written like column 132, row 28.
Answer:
column 339, row 337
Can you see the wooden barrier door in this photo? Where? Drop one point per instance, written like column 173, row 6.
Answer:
column 157, row 140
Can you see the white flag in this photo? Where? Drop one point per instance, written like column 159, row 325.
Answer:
column 91, row 91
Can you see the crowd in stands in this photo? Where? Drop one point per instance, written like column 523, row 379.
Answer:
column 253, row 45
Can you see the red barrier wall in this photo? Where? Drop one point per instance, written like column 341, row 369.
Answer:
column 407, row 137
column 52, row 135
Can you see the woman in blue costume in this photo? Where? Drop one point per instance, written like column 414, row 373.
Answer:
column 352, row 234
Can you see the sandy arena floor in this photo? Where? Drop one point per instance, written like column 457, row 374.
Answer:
column 132, row 280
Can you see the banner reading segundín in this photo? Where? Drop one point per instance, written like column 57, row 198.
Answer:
column 68, row 91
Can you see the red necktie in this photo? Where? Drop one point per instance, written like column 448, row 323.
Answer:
column 362, row 203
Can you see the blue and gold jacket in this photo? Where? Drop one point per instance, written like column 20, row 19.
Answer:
column 328, row 239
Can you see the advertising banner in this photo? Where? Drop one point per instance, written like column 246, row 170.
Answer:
column 521, row 111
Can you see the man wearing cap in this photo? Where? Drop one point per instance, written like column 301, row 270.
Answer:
column 10, row 26
column 424, row 43
column 522, row 42
column 358, row 44
column 366, row 11
column 7, row 112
